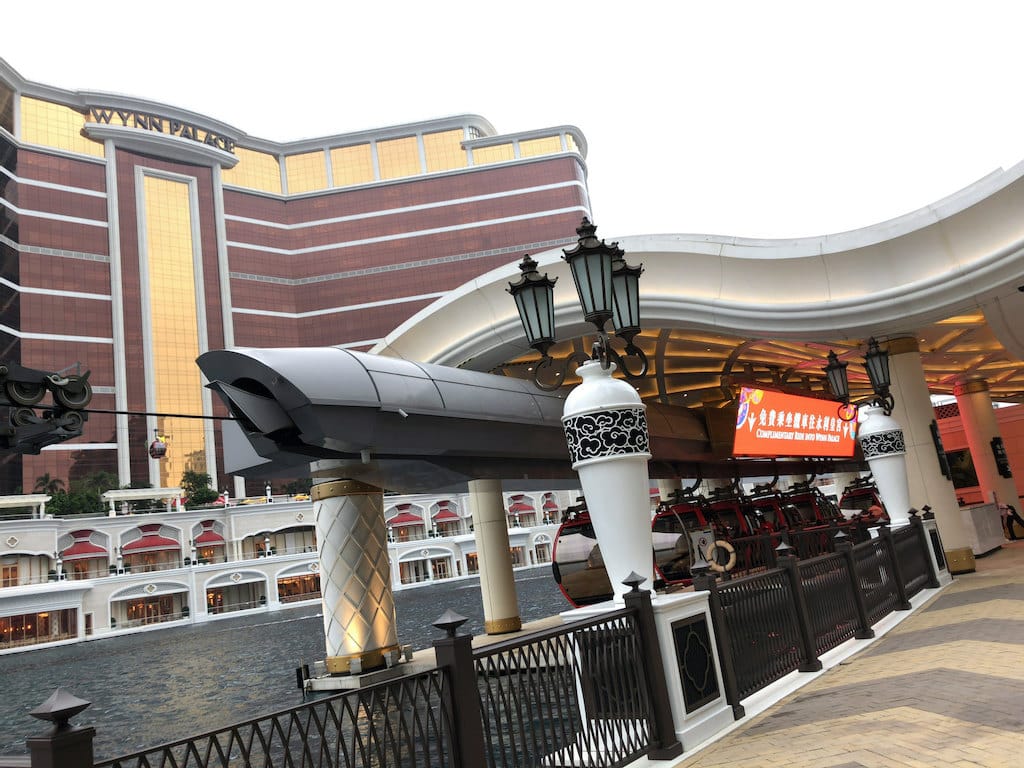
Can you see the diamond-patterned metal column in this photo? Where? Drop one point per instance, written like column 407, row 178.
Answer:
column 355, row 579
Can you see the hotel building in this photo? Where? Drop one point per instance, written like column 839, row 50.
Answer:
column 135, row 236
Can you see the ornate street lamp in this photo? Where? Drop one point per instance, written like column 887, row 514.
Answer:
column 534, row 295
column 608, row 289
column 881, row 438
column 604, row 419
column 876, row 363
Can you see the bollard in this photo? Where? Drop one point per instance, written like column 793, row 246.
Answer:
column 664, row 744
column 65, row 745
column 454, row 653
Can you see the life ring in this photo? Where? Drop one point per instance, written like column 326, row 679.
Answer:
column 709, row 555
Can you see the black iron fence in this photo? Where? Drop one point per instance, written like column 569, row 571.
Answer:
column 586, row 693
column 397, row 723
column 589, row 693
column 758, row 552
column 781, row 620
column 565, row 697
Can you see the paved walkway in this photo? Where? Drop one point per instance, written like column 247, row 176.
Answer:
column 943, row 688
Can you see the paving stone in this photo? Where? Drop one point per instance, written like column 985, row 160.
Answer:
column 1011, row 591
column 944, row 688
column 992, row 630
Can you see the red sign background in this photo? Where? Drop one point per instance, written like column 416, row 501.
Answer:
column 777, row 424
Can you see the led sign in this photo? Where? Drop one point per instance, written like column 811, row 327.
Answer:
column 777, row 424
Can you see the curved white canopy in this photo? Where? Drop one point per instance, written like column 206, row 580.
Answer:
column 961, row 255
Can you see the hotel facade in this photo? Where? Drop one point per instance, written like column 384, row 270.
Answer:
column 134, row 236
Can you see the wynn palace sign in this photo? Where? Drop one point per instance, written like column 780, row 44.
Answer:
column 147, row 122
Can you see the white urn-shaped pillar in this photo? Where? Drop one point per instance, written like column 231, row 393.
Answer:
column 606, row 431
column 881, row 440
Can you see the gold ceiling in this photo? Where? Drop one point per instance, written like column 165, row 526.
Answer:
column 694, row 368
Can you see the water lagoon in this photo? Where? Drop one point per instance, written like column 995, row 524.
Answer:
column 154, row 687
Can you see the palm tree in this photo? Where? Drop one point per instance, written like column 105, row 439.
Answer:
column 48, row 485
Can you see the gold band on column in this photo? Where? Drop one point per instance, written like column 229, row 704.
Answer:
column 342, row 665
column 503, row 626
column 902, row 345
column 336, row 488
column 970, row 387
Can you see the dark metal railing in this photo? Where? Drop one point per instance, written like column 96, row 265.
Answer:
column 828, row 591
column 397, row 723
column 913, row 559
column 755, row 553
column 812, row 542
column 762, row 628
column 574, row 695
column 772, row 623
column 590, row 693
column 874, row 576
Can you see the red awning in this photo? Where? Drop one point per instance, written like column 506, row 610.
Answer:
column 83, row 549
column 405, row 518
column 551, row 505
column 521, row 506
column 150, row 542
column 209, row 538
column 445, row 514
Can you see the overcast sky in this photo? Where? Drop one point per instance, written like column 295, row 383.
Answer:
column 761, row 119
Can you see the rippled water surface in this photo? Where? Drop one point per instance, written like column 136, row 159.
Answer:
column 154, row 687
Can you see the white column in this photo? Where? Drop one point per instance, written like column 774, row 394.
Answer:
column 606, row 431
column 355, row 578
column 914, row 412
column 667, row 487
column 980, row 428
column 494, row 558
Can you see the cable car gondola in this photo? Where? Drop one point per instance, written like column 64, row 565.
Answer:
column 576, row 561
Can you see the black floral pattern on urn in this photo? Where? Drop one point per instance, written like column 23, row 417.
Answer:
column 607, row 433
column 883, row 443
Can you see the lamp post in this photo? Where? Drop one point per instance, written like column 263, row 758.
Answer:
column 603, row 418
column 608, row 289
column 880, row 436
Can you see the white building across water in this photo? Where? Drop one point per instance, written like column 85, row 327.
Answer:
column 152, row 562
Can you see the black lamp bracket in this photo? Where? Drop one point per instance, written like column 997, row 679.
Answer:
column 607, row 354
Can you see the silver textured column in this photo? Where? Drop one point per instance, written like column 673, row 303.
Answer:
column 355, row 579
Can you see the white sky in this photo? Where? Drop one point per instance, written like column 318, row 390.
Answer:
column 761, row 119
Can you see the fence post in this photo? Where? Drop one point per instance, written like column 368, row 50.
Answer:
column 705, row 582
column 454, row 654
column 844, row 547
column 792, row 566
column 664, row 744
column 902, row 603
column 922, row 534
column 65, row 745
